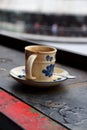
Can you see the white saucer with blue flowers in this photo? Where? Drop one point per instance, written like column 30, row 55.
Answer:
column 18, row 74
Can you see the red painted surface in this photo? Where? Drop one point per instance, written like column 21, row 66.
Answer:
column 24, row 115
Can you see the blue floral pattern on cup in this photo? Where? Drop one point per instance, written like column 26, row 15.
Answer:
column 49, row 58
column 49, row 70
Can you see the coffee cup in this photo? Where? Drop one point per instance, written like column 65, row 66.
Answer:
column 40, row 62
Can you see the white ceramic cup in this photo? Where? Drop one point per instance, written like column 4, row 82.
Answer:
column 39, row 62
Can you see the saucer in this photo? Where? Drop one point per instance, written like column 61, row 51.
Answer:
column 18, row 74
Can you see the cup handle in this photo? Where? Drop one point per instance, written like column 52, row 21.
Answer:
column 30, row 62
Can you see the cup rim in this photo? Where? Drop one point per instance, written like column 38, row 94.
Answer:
column 53, row 49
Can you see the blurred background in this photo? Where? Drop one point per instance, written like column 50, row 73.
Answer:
column 66, row 18
column 57, row 23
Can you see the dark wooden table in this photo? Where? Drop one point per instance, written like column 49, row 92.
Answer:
column 61, row 107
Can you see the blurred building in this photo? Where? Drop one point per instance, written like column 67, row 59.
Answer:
column 21, row 15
